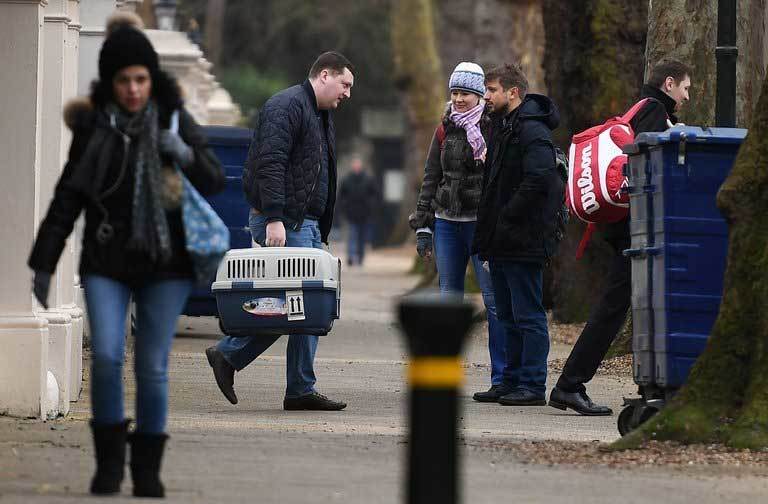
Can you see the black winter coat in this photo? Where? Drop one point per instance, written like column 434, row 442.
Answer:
column 453, row 180
column 283, row 166
column 112, row 259
column 358, row 197
column 652, row 117
column 522, row 191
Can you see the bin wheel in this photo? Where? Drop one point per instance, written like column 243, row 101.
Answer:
column 645, row 414
column 221, row 327
column 626, row 419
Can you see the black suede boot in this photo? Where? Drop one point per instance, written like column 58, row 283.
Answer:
column 109, row 443
column 146, row 457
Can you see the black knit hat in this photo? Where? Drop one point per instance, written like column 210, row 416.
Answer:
column 126, row 45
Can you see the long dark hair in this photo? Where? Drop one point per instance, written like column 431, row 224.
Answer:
column 165, row 90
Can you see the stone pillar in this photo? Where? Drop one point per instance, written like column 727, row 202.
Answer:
column 23, row 334
column 71, row 294
column 93, row 17
column 51, row 160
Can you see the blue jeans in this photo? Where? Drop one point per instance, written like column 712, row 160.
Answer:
column 453, row 242
column 300, row 355
column 518, row 290
column 358, row 237
column 158, row 305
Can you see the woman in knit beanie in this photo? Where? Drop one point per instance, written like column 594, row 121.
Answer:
column 446, row 211
column 122, row 172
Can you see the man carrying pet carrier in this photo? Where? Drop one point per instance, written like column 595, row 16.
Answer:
column 290, row 182
column 666, row 91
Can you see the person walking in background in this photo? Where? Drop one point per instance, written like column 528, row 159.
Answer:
column 133, row 243
column 358, row 196
column 667, row 91
column 446, row 209
column 516, row 227
column 290, row 183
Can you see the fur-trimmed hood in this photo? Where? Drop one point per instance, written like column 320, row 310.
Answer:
column 80, row 112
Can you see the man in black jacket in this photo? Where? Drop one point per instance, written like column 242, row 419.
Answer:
column 667, row 89
column 516, row 226
column 290, row 182
column 358, row 198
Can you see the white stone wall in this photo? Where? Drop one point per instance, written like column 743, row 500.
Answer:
column 41, row 361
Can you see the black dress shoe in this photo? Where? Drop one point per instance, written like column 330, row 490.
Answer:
column 223, row 372
column 491, row 395
column 578, row 402
column 522, row 397
column 313, row 401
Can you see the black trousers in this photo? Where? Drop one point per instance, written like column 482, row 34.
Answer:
column 605, row 321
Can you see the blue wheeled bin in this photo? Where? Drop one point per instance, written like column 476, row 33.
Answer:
column 230, row 144
column 679, row 246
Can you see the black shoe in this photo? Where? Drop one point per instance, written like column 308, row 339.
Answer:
column 522, row 397
column 578, row 402
column 146, row 458
column 491, row 395
column 109, row 443
column 312, row 401
column 223, row 372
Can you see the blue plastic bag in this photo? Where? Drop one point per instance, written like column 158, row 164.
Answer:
column 206, row 235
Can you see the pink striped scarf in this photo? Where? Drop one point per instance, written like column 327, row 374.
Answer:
column 470, row 122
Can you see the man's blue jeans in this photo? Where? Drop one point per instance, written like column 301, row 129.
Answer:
column 158, row 305
column 300, row 355
column 358, row 237
column 453, row 242
column 518, row 290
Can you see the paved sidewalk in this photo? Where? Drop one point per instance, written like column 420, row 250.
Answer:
column 256, row 452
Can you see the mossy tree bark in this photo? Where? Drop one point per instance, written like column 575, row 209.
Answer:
column 418, row 77
column 687, row 31
column 594, row 67
column 726, row 397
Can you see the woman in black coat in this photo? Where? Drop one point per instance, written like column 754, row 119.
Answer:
column 122, row 172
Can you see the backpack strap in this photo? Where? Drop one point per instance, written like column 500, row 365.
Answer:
column 174, row 126
column 440, row 135
column 585, row 239
column 634, row 110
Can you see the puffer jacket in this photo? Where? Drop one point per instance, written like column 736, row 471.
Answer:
column 522, row 191
column 283, row 168
column 453, row 179
column 85, row 117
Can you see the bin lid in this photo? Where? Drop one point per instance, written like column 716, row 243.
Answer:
column 227, row 135
column 693, row 134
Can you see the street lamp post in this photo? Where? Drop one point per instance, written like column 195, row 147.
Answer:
column 726, row 54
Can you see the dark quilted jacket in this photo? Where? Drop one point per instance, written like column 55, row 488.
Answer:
column 283, row 166
column 521, row 188
column 453, row 180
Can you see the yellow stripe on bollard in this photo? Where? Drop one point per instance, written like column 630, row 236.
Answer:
column 435, row 372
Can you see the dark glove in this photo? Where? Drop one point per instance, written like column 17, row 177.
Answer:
column 424, row 244
column 172, row 145
column 40, row 286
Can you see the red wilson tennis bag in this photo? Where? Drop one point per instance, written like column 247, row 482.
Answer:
column 596, row 173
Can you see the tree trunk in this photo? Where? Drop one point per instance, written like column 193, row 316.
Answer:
column 687, row 31
column 726, row 397
column 418, row 77
column 214, row 30
column 752, row 18
column 594, row 70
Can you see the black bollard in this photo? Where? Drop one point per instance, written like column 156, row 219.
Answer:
column 435, row 327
